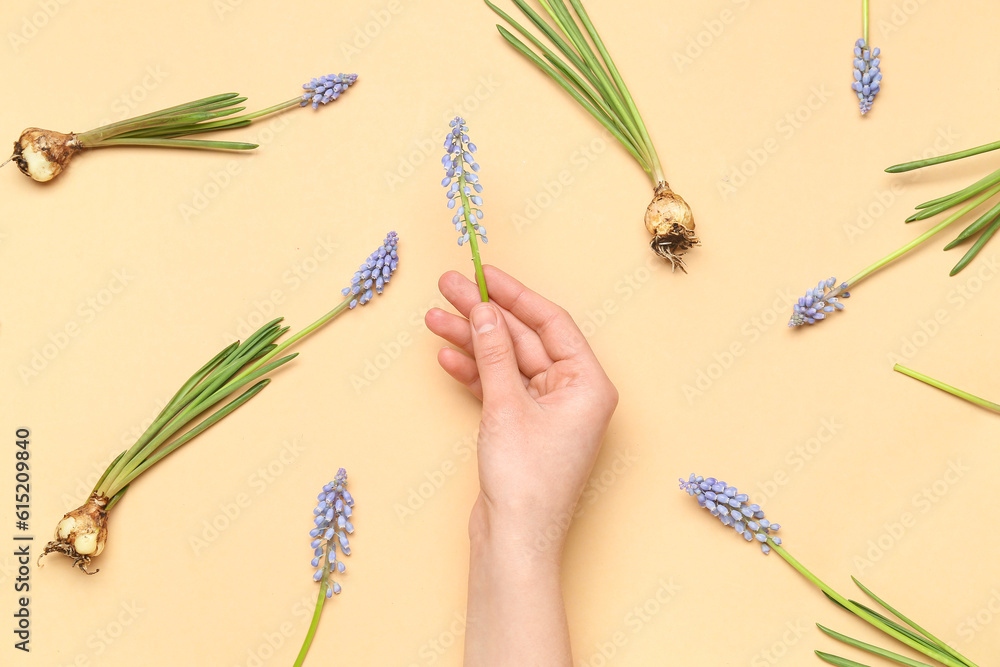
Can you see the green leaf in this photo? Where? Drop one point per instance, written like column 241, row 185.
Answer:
column 889, row 655
column 976, row 247
column 940, row 644
column 592, row 95
column 918, row 164
column 207, row 423
column 957, row 198
column 983, row 221
column 558, row 78
column 840, row 662
column 182, row 143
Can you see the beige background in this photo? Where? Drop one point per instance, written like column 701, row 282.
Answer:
column 814, row 423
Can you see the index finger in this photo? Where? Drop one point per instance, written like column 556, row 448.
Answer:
column 555, row 327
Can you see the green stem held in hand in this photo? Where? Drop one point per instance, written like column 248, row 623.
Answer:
column 473, row 238
column 981, row 402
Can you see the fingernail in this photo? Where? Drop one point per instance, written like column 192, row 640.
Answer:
column 484, row 318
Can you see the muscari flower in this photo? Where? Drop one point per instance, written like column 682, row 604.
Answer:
column 333, row 525
column 326, row 89
column 818, row 302
column 460, row 178
column 375, row 272
column 732, row 508
column 867, row 75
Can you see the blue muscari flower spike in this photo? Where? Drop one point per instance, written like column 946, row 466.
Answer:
column 460, row 165
column 374, row 273
column 332, row 526
column 867, row 74
column 733, row 509
column 819, row 302
column 326, row 89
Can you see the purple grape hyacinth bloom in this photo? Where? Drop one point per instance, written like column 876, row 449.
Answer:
column 818, row 302
column 867, row 74
column 375, row 272
column 733, row 509
column 333, row 525
column 461, row 178
column 326, row 89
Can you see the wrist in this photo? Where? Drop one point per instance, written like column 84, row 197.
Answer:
column 524, row 541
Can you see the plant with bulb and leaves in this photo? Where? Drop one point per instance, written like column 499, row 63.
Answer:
column 954, row 391
column 238, row 371
column 828, row 296
column 462, row 180
column 867, row 67
column 331, row 526
column 586, row 71
column 44, row 154
column 734, row 510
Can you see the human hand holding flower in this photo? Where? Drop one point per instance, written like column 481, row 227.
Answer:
column 546, row 405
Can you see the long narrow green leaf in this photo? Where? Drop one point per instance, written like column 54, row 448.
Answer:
column 608, row 90
column 568, row 87
column 182, row 143
column 115, row 498
column 957, row 198
column 619, row 81
column 940, row 644
column 167, row 413
column 957, row 193
column 837, row 660
column 172, row 131
column 198, row 376
column 247, row 351
column 958, row 155
column 188, row 414
column 593, row 96
column 871, row 648
column 598, row 80
column 173, row 124
column 982, row 222
column 107, row 470
column 209, row 377
column 910, row 634
column 214, row 99
column 208, row 422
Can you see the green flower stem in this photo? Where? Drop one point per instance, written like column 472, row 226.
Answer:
column 323, row 585
column 473, row 236
column 981, row 402
column 864, row 15
column 340, row 308
column 918, row 164
column 863, row 614
column 923, row 237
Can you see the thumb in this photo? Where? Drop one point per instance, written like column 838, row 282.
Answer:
column 494, row 349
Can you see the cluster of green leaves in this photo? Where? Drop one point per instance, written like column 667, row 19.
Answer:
column 917, row 637
column 164, row 127
column 985, row 188
column 232, row 369
column 585, row 71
